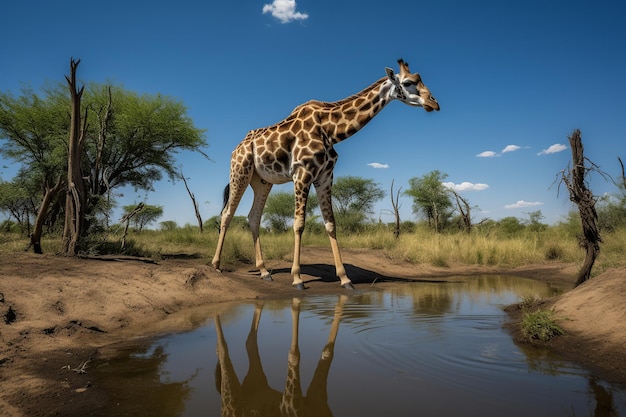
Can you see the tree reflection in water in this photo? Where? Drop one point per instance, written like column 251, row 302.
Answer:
column 254, row 396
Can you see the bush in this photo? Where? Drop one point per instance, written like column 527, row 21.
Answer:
column 554, row 253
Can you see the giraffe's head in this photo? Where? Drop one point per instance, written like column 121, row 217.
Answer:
column 409, row 88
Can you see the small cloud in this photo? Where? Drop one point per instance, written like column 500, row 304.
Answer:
column 284, row 10
column 491, row 154
column 465, row 186
column 522, row 204
column 511, row 148
column 557, row 147
column 377, row 165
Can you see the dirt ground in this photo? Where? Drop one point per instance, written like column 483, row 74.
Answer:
column 57, row 313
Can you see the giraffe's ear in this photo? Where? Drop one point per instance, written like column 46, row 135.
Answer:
column 390, row 74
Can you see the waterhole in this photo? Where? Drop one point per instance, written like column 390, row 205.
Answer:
column 417, row 349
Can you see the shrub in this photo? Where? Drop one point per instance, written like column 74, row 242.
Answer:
column 553, row 253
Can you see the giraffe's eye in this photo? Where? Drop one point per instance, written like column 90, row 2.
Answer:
column 408, row 83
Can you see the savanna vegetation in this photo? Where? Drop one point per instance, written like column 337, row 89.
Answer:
column 126, row 138
column 507, row 243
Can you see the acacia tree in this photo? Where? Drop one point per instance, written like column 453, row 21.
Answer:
column 34, row 133
column 16, row 201
column 279, row 209
column 430, row 198
column 353, row 199
column 131, row 139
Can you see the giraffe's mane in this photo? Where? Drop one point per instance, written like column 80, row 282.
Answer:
column 332, row 104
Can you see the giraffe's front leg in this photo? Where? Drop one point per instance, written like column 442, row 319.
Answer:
column 324, row 199
column 298, row 228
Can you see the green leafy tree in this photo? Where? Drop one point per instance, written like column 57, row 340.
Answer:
column 129, row 140
column 534, row 221
column 214, row 223
column 352, row 193
column 16, row 201
column 611, row 214
column 279, row 209
column 431, row 199
column 611, row 208
column 353, row 200
column 510, row 226
column 168, row 225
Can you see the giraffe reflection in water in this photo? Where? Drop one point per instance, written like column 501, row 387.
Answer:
column 254, row 396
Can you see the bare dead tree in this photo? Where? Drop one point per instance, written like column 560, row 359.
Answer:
column 76, row 193
column 574, row 180
column 464, row 211
column 35, row 236
column 193, row 200
column 396, row 209
column 126, row 219
column 623, row 173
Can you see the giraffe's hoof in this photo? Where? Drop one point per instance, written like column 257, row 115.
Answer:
column 267, row 277
column 299, row 287
column 348, row 286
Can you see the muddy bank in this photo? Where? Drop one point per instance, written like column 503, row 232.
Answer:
column 58, row 312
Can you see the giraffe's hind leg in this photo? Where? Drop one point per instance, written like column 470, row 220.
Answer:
column 240, row 175
column 261, row 190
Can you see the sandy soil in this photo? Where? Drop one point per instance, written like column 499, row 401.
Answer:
column 57, row 313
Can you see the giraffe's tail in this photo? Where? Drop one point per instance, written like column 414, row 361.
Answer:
column 226, row 196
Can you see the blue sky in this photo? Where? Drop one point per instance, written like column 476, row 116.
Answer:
column 514, row 79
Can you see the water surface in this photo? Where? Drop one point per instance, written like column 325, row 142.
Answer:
column 418, row 349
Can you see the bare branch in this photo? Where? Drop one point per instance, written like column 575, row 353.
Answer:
column 193, row 200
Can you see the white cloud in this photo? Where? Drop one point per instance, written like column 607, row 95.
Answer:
column 465, row 186
column 378, row 165
column 522, row 204
column 491, row 154
column 284, row 10
column 511, row 148
column 557, row 147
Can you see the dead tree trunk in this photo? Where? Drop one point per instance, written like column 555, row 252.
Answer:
column 396, row 210
column 35, row 237
column 583, row 198
column 76, row 196
column 193, row 200
column 126, row 219
column 464, row 211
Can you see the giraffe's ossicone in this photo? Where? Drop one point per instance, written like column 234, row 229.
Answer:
column 300, row 149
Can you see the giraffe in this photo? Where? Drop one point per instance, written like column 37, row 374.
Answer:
column 301, row 149
column 254, row 396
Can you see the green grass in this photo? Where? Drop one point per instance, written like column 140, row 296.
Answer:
column 539, row 325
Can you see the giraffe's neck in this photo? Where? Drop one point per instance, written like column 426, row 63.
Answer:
column 341, row 119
